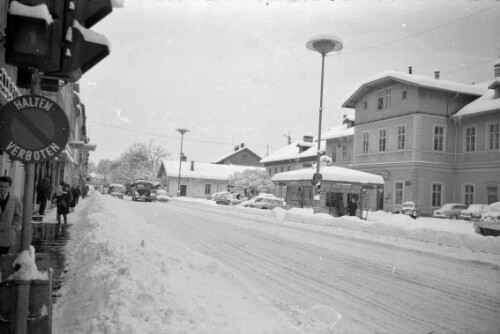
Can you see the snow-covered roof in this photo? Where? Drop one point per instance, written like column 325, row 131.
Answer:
column 486, row 103
column 288, row 152
column 202, row 170
column 330, row 173
column 39, row 12
column 338, row 131
column 227, row 156
column 411, row 79
column 313, row 150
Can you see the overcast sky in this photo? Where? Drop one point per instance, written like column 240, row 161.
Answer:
column 239, row 72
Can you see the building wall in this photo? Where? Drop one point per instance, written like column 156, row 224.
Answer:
column 335, row 148
column 194, row 187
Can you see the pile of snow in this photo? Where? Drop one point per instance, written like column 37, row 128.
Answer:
column 27, row 269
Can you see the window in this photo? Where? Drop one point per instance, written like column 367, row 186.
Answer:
column 365, row 105
column 491, row 194
column 380, row 100
column 437, row 194
column 404, row 95
column 382, row 140
column 468, row 194
column 401, row 137
column 470, row 139
column 275, row 170
column 398, row 191
column 387, row 100
column 494, row 136
column 207, row 189
column 244, row 157
column 344, row 152
column 438, row 138
column 282, row 169
column 365, row 142
column 334, row 153
column 270, row 171
column 288, row 168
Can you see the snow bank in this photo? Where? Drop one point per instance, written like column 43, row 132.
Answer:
column 112, row 297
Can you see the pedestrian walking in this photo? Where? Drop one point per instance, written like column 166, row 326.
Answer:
column 352, row 207
column 11, row 210
column 43, row 194
column 85, row 190
column 62, row 198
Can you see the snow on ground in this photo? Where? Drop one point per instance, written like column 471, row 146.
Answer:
column 455, row 238
column 102, row 294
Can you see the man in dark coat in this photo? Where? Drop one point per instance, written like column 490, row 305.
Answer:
column 43, row 194
column 11, row 210
column 352, row 207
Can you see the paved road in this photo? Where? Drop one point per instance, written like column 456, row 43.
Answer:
column 368, row 287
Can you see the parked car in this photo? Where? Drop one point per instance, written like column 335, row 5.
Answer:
column 268, row 203
column 473, row 212
column 449, row 211
column 229, row 200
column 219, row 195
column 410, row 208
column 116, row 190
column 160, row 195
column 489, row 223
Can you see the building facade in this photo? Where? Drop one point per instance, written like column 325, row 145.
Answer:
column 409, row 130
column 197, row 179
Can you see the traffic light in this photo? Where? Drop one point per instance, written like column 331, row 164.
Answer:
column 34, row 32
column 81, row 47
column 54, row 36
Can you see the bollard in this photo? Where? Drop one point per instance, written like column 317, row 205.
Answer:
column 37, row 310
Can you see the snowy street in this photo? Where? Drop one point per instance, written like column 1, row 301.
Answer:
column 191, row 267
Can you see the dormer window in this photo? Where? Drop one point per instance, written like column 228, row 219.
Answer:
column 404, row 95
column 384, row 99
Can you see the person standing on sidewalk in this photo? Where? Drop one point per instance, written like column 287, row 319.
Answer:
column 11, row 211
column 62, row 198
column 43, row 194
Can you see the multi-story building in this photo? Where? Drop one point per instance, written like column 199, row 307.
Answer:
column 433, row 141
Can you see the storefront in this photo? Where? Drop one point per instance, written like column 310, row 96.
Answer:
column 339, row 187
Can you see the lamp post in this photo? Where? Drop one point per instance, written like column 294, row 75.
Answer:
column 323, row 45
column 182, row 131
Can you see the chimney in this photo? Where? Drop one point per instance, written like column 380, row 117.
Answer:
column 242, row 145
column 192, row 165
column 410, row 70
column 236, row 148
column 307, row 139
column 496, row 68
column 436, row 75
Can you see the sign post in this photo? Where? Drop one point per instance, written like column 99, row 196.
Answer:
column 34, row 129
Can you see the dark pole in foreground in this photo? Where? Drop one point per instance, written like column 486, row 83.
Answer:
column 23, row 290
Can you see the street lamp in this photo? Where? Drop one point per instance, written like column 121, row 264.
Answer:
column 323, row 45
column 182, row 131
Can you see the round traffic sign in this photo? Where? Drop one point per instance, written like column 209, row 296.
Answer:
column 317, row 177
column 33, row 129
